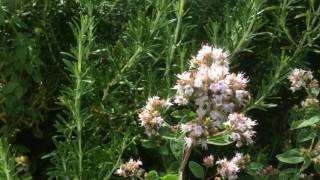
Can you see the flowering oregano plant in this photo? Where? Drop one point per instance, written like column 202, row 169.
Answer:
column 215, row 99
column 304, row 152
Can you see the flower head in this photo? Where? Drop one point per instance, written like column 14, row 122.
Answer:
column 211, row 85
column 195, row 134
column 208, row 161
column 310, row 102
column 150, row 117
column 301, row 78
column 229, row 169
column 241, row 127
column 216, row 93
column 129, row 169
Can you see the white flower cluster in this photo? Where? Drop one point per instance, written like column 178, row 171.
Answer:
column 196, row 134
column 150, row 117
column 216, row 93
column 215, row 90
column 129, row 169
column 241, row 127
column 229, row 169
column 300, row 78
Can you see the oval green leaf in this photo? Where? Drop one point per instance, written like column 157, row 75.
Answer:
column 305, row 123
column 292, row 156
column 305, row 135
column 170, row 177
column 166, row 133
column 220, row 140
column 196, row 169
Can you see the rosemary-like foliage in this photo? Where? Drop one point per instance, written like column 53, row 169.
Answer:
column 70, row 154
column 7, row 164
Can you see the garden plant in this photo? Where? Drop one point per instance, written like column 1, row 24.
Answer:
column 159, row 89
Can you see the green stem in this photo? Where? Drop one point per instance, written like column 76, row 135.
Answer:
column 117, row 77
column 245, row 35
column 174, row 44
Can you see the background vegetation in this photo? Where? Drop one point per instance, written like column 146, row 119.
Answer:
column 75, row 73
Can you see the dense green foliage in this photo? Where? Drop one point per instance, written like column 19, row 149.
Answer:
column 75, row 74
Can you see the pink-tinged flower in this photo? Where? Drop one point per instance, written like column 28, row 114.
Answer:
column 237, row 81
column 181, row 100
column 129, row 169
column 193, row 130
column 188, row 142
column 217, row 72
column 201, row 76
column 300, row 78
column 184, row 85
column 228, row 169
column 237, row 158
column 205, row 54
column 241, row 127
column 219, row 87
column 155, row 103
column 195, row 133
column 150, row 117
column 208, row 161
column 201, row 112
column 208, row 55
column 220, row 57
column 185, row 77
column 241, row 94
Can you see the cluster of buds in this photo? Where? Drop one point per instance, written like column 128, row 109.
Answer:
column 229, row 169
column 310, row 102
column 22, row 160
column 208, row 161
column 150, row 117
column 241, row 128
column 130, row 169
column 300, row 78
column 268, row 171
column 315, row 153
column 196, row 134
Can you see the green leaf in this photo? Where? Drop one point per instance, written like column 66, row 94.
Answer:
column 166, row 133
column 292, row 174
column 315, row 91
column 164, row 150
column 292, row 156
column 254, row 166
column 170, row 177
column 152, row 175
column 11, row 87
column 148, row 144
column 305, row 123
column 196, row 169
column 305, row 135
column 307, row 162
column 184, row 115
column 220, row 140
column 177, row 148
